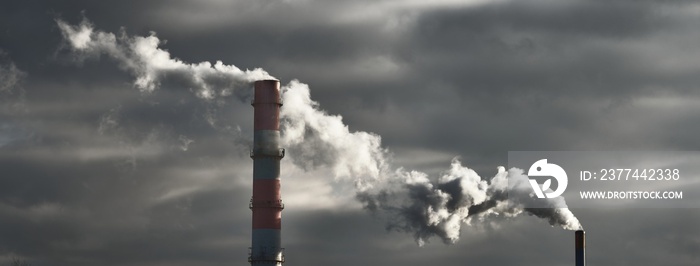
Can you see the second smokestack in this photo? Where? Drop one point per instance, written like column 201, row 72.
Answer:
column 580, row 248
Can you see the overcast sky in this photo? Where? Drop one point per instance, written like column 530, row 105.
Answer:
column 94, row 171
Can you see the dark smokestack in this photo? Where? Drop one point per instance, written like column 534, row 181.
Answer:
column 580, row 248
column 266, row 202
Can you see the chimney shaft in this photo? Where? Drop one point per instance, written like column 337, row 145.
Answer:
column 266, row 203
column 580, row 248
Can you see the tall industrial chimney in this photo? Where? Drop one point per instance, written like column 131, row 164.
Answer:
column 266, row 203
column 580, row 248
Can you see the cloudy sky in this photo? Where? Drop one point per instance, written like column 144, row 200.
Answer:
column 97, row 170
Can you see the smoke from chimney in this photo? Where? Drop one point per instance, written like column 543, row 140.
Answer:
column 314, row 139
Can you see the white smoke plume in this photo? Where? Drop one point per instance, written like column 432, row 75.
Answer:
column 149, row 64
column 315, row 139
column 417, row 205
column 413, row 202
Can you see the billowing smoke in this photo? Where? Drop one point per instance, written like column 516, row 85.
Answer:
column 427, row 208
column 411, row 201
column 315, row 139
column 149, row 64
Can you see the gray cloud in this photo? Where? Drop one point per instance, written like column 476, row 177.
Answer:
column 11, row 91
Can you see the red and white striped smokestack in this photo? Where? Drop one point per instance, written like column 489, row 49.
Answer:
column 580, row 248
column 266, row 202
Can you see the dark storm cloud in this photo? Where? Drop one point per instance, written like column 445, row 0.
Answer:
column 564, row 69
column 94, row 172
column 116, row 205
